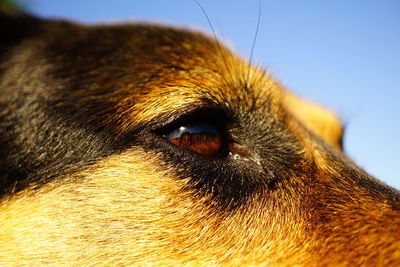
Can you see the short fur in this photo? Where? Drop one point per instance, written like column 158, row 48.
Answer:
column 87, row 178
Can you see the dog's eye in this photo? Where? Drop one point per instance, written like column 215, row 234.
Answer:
column 202, row 138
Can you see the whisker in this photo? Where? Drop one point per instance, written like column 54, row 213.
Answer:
column 254, row 44
column 215, row 37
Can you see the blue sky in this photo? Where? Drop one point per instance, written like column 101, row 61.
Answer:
column 342, row 54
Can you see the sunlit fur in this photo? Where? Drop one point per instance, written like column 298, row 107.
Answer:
column 129, row 208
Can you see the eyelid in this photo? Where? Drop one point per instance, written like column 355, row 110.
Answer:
column 205, row 111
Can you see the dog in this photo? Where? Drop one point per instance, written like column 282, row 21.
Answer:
column 139, row 144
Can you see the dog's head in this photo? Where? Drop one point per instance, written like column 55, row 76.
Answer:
column 147, row 144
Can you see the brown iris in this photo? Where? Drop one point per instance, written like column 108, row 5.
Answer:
column 202, row 138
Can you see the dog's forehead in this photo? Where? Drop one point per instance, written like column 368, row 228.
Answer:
column 139, row 71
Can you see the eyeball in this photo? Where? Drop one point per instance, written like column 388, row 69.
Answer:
column 202, row 138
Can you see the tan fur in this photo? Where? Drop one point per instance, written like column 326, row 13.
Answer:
column 129, row 208
column 316, row 118
column 120, row 220
column 109, row 218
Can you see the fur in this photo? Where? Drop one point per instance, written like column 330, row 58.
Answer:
column 87, row 178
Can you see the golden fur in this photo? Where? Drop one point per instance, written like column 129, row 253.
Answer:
column 129, row 208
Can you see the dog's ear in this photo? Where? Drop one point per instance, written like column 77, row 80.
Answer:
column 321, row 121
column 14, row 27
